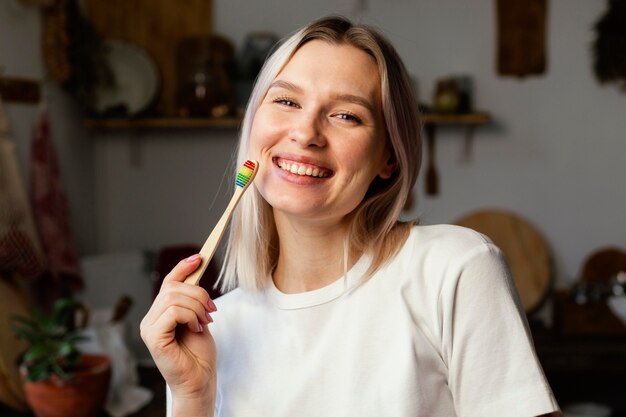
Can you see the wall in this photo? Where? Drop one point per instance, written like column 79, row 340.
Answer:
column 20, row 56
column 555, row 154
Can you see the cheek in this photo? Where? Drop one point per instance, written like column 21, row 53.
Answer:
column 256, row 136
column 263, row 133
column 366, row 160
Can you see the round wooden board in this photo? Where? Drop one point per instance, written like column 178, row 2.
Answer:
column 525, row 249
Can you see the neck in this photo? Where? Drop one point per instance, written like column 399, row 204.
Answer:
column 311, row 255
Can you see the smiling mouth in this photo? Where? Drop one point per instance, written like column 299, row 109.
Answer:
column 304, row 170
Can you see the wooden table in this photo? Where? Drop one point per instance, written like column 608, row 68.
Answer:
column 584, row 368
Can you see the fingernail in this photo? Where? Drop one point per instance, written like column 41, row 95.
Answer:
column 209, row 318
column 192, row 258
column 200, row 328
column 211, row 305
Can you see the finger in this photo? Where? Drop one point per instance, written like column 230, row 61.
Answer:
column 162, row 332
column 193, row 291
column 185, row 317
column 183, row 269
column 164, row 327
column 184, row 296
column 175, row 317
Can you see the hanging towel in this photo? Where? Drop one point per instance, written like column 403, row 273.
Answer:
column 20, row 250
column 50, row 208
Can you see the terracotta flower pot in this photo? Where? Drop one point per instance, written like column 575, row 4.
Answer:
column 83, row 395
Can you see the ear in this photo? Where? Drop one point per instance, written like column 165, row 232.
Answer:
column 387, row 170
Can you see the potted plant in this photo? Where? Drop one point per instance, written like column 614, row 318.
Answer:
column 58, row 379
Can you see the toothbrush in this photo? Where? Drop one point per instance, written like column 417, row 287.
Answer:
column 242, row 181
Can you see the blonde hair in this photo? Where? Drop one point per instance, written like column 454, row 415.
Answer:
column 252, row 249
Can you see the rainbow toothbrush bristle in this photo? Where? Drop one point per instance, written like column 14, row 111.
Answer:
column 245, row 173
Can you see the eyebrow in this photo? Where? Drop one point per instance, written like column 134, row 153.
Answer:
column 362, row 101
column 350, row 98
column 286, row 85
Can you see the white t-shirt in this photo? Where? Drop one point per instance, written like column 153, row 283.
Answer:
column 437, row 332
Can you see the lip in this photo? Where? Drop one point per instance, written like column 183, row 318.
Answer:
column 302, row 160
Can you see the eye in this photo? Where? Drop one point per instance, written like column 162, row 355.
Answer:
column 285, row 101
column 349, row 117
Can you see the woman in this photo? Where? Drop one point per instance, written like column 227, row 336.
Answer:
column 339, row 308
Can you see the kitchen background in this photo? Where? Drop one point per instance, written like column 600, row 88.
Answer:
column 554, row 153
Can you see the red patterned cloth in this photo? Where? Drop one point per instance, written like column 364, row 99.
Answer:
column 50, row 210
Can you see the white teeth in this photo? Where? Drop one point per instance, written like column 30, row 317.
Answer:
column 301, row 170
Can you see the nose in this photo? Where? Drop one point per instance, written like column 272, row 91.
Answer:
column 306, row 130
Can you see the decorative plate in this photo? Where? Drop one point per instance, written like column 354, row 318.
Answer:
column 136, row 79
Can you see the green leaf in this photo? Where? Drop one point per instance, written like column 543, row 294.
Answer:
column 25, row 335
column 24, row 321
column 63, row 304
column 51, row 328
column 24, row 328
column 65, row 348
column 35, row 352
column 38, row 372
column 63, row 311
column 59, row 371
column 76, row 338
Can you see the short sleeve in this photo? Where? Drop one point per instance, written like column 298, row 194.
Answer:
column 168, row 401
column 493, row 368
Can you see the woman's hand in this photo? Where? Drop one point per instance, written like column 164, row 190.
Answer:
column 176, row 333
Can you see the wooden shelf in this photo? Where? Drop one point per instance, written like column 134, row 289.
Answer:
column 477, row 118
column 163, row 123
column 434, row 120
column 20, row 90
column 431, row 121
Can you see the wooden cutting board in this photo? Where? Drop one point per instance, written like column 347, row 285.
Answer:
column 525, row 249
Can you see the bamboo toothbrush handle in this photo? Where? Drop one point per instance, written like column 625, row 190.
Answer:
column 210, row 246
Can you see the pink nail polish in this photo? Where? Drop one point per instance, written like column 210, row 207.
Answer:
column 209, row 318
column 211, row 304
column 192, row 258
column 200, row 328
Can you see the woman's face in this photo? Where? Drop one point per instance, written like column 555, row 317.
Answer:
column 319, row 133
